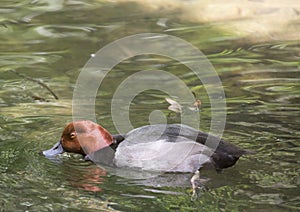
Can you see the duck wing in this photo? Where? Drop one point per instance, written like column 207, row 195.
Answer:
column 225, row 154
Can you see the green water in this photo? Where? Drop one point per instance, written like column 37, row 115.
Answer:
column 52, row 41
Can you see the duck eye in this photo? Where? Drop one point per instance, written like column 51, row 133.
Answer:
column 72, row 135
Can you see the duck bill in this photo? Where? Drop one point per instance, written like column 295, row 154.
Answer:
column 55, row 150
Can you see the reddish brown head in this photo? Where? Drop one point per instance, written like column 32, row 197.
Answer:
column 83, row 137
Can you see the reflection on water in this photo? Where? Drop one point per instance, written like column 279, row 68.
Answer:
column 52, row 40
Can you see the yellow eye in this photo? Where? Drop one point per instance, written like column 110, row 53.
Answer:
column 72, row 135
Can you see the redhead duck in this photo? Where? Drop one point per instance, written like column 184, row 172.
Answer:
column 167, row 148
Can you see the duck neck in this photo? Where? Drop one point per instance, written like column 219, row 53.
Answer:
column 104, row 156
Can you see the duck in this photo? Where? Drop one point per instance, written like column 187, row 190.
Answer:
column 157, row 147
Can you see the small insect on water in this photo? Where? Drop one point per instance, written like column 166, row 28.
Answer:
column 178, row 108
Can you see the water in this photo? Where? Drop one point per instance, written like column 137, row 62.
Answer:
column 51, row 41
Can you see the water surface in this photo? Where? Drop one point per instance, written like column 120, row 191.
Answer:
column 51, row 42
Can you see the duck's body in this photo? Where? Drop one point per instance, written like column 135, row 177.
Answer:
column 154, row 148
column 168, row 148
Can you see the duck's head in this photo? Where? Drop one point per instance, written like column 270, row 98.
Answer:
column 82, row 137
